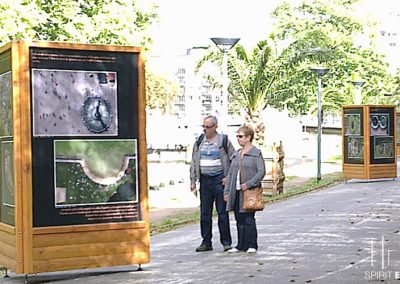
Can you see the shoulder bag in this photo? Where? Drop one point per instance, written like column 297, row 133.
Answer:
column 253, row 199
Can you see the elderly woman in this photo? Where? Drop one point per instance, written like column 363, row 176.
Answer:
column 246, row 172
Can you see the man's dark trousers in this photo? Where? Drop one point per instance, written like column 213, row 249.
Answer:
column 211, row 190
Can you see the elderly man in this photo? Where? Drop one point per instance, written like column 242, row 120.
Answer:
column 210, row 165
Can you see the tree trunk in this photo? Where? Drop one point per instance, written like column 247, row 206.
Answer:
column 254, row 119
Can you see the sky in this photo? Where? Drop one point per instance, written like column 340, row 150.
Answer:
column 189, row 23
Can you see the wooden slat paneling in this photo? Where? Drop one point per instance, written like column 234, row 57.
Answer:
column 7, row 262
column 7, row 250
column 7, row 228
column 79, row 250
column 91, row 262
column 351, row 171
column 74, row 238
column 88, row 250
column 89, row 228
column 7, row 238
column 383, row 171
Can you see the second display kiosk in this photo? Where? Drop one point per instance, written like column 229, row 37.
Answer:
column 369, row 142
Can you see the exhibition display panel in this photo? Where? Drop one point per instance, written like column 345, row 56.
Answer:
column 369, row 137
column 73, row 157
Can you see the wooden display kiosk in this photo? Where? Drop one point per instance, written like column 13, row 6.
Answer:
column 73, row 159
column 369, row 135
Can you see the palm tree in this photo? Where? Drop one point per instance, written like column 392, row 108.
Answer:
column 251, row 80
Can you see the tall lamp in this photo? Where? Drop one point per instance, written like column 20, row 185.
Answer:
column 319, row 71
column 358, row 97
column 224, row 44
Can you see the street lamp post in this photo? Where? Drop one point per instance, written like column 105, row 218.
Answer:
column 358, row 97
column 224, row 44
column 320, row 71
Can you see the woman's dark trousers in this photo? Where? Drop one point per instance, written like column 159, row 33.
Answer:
column 246, row 227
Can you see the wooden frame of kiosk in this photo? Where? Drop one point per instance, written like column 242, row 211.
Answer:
column 369, row 136
column 397, row 133
column 65, row 109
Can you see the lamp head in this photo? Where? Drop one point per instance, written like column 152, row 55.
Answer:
column 225, row 44
column 358, row 83
column 320, row 71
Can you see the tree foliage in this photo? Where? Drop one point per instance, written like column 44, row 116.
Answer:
column 123, row 22
column 313, row 33
column 160, row 92
column 83, row 21
column 323, row 32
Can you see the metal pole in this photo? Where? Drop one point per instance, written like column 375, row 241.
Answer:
column 225, row 82
column 319, row 130
column 358, row 98
column 224, row 44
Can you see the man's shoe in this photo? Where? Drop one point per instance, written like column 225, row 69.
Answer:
column 203, row 247
column 227, row 247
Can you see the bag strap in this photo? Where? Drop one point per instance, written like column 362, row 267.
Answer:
column 198, row 142
column 240, row 166
column 224, row 142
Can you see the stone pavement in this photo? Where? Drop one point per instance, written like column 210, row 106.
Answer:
column 349, row 233
column 176, row 199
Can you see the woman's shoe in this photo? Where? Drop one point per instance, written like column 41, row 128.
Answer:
column 251, row 250
column 233, row 250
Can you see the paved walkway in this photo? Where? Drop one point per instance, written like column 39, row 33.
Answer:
column 348, row 233
column 172, row 200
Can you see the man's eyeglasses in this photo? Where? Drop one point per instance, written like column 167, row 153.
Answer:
column 239, row 136
column 208, row 126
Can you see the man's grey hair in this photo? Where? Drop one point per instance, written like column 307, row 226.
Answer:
column 213, row 119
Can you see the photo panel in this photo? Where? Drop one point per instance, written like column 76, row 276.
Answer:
column 355, row 148
column 6, row 119
column 93, row 172
column 383, row 147
column 7, row 173
column 7, row 203
column 74, row 103
column 352, row 124
column 353, row 139
column 379, row 124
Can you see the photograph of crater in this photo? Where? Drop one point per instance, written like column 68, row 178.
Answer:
column 74, row 103
column 95, row 171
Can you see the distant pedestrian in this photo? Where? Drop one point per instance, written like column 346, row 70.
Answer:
column 210, row 165
column 246, row 172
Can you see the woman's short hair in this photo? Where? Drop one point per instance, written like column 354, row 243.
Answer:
column 247, row 130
